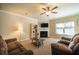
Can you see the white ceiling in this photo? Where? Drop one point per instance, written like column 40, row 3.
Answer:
column 34, row 9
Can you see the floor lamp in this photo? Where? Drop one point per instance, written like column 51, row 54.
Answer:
column 20, row 32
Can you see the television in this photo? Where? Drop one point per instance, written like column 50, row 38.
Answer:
column 44, row 24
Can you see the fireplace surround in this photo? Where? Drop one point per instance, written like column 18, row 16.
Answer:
column 43, row 34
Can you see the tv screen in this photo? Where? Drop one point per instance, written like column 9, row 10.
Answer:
column 44, row 25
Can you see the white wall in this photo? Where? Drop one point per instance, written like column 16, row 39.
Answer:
column 0, row 22
column 11, row 23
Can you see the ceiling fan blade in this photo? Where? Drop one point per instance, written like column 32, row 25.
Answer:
column 42, row 13
column 48, row 8
column 44, row 9
column 54, row 12
column 55, row 7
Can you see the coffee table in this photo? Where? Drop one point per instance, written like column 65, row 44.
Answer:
column 37, row 42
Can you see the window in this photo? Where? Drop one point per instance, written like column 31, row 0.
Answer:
column 65, row 28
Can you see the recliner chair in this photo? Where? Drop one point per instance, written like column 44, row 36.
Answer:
column 13, row 47
column 66, row 46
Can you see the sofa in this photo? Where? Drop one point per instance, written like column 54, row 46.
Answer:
column 66, row 46
column 12, row 47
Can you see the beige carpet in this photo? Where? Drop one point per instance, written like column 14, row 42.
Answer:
column 44, row 49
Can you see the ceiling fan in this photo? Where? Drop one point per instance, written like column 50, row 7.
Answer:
column 49, row 10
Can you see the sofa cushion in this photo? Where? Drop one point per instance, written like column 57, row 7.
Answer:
column 3, row 47
column 60, row 49
column 61, row 46
column 12, row 46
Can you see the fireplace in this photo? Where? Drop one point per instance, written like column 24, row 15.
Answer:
column 43, row 34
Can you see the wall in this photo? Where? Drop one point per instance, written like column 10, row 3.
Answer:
column 52, row 29
column 0, row 22
column 15, row 25
column 64, row 19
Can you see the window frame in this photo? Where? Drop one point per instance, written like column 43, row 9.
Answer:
column 64, row 28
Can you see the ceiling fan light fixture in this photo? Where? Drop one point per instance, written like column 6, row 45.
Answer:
column 48, row 12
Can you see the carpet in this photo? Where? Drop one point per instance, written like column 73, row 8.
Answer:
column 44, row 49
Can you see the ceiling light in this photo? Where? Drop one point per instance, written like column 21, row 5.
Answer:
column 48, row 13
column 48, row 10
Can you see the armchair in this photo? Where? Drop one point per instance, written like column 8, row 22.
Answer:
column 12, row 47
column 66, row 47
column 66, row 40
column 60, row 49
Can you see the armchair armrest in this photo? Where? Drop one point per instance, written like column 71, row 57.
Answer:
column 65, row 38
column 64, row 42
column 20, row 46
column 60, row 49
column 10, row 40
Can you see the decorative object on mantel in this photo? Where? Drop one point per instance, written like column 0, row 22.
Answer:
column 49, row 10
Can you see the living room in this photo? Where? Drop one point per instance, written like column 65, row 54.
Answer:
column 36, row 26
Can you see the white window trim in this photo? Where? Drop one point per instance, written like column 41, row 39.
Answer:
column 63, row 28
